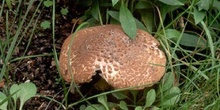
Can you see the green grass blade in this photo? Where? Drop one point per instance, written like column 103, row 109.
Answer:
column 210, row 43
column 13, row 43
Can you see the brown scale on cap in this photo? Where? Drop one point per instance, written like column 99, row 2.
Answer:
column 124, row 62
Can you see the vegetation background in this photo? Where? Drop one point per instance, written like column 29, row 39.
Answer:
column 32, row 32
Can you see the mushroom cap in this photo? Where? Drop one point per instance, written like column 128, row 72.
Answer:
column 124, row 62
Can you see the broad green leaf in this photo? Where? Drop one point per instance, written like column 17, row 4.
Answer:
column 143, row 5
column 82, row 107
column 216, row 4
column 114, row 14
column 95, row 107
column 169, row 81
column 114, row 2
column 172, row 34
column 64, row 11
column 16, row 91
column 45, row 24
column 5, row 104
column 198, row 15
column 92, row 21
column 99, row 106
column 123, row 105
column 134, row 93
column 27, row 90
column 48, row 3
column 155, row 108
column 138, row 108
column 171, row 96
column 151, row 96
column 103, row 100
column 119, row 95
column 171, row 2
column 95, row 10
column 140, row 25
column 166, row 9
column 148, row 19
column 192, row 40
column 127, row 21
column 204, row 4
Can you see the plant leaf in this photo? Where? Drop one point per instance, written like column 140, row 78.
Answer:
column 138, row 108
column 172, row 34
column 140, row 25
column 171, row 96
column 155, row 108
column 8, row 3
column 143, row 5
column 151, row 96
column 48, row 3
column 171, row 2
column 198, row 15
column 204, row 4
column 216, row 4
column 5, row 104
column 123, row 105
column 103, row 100
column 82, row 107
column 127, row 21
column 192, row 40
column 27, row 90
column 169, row 81
column 16, row 91
column 114, row 14
column 45, row 24
column 64, row 11
column 95, row 107
column 114, row 2
column 95, row 10
column 148, row 19
column 119, row 95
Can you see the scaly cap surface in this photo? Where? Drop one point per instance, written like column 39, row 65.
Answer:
column 124, row 62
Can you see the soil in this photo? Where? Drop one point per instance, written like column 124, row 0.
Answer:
column 41, row 70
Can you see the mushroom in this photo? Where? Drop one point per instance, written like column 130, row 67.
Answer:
column 123, row 62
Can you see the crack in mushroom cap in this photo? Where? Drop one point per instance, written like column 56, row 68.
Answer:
column 124, row 62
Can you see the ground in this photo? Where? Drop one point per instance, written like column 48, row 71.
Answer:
column 41, row 70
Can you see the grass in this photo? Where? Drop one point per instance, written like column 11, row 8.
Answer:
column 189, row 36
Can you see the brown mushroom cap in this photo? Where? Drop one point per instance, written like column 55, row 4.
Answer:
column 124, row 62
